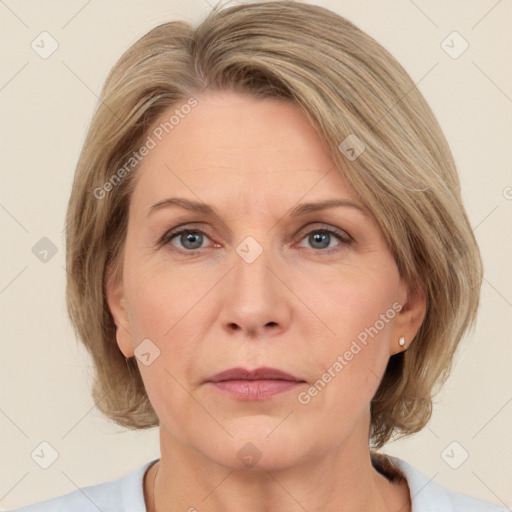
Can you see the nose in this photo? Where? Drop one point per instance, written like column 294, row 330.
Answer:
column 257, row 300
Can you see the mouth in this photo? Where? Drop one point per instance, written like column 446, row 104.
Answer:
column 259, row 384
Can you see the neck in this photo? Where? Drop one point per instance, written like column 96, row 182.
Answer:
column 341, row 480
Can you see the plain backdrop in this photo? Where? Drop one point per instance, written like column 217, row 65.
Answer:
column 45, row 108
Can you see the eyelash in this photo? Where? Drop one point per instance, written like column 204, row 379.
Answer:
column 342, row 237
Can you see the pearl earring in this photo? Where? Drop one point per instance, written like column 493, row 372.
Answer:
column 401, row 341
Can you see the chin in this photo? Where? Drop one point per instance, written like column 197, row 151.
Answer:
column 259, row 444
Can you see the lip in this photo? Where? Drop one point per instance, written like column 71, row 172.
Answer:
column 263, row 373
column 259, row 384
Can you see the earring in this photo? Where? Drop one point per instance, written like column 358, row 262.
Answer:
column 401, row 341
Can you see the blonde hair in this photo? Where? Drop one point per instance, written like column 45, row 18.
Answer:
column 347, row 85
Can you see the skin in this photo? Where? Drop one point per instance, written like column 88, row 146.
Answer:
column 296, row 308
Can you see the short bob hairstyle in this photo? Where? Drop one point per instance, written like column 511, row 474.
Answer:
column 347, row 85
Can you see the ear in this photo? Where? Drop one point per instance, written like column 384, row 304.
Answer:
column 120, row 311
column 408, row 320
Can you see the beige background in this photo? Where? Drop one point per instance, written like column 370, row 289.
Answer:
column 46, row 105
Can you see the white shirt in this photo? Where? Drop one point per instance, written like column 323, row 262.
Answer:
column 126, row 494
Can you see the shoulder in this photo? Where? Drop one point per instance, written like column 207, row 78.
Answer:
column 122, row 495
column 428, row 496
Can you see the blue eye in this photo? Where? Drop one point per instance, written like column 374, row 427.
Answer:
column 320, row 239
column 191, row 240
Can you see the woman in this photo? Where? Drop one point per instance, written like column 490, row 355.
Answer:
column 268, row 258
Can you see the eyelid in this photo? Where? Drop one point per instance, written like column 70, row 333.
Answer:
column 342, row 235
column 176, row 230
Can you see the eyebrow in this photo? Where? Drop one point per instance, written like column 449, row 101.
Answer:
column 301, row 209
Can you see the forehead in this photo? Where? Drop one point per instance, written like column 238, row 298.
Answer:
column 233, row 143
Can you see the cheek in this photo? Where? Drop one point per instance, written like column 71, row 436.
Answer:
column 163, row 312
column 361, row 300
column 162, row 297
column 361, row 314
column 170, row 308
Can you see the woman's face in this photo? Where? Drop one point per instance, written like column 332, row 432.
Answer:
column 259, row 283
